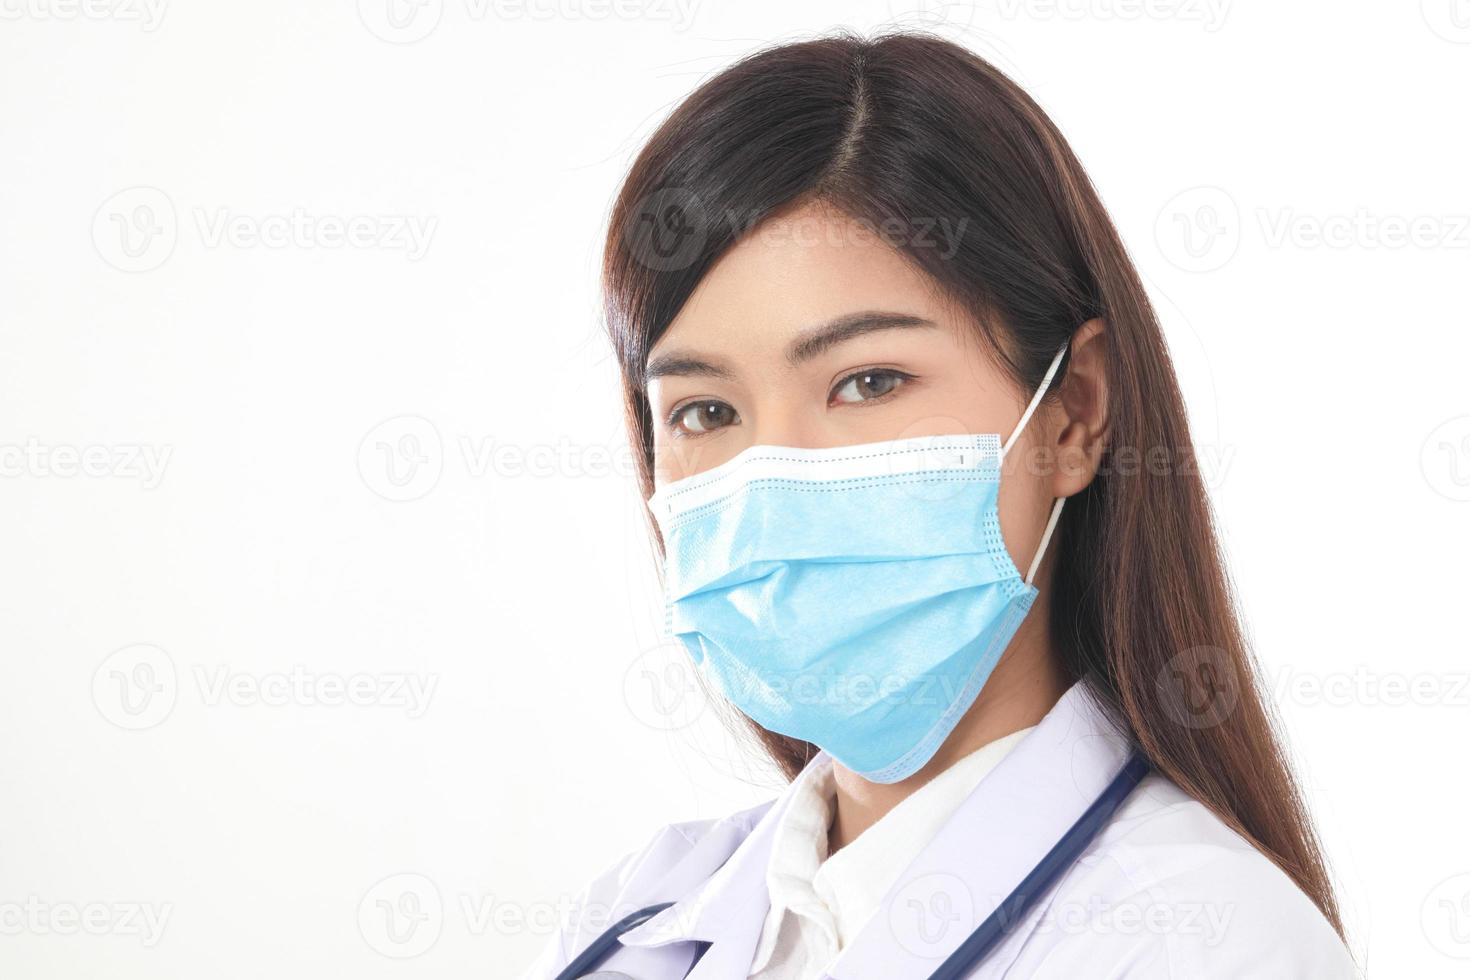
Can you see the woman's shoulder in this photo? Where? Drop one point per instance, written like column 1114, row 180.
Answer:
column 1164, row 838
column 1177, row 890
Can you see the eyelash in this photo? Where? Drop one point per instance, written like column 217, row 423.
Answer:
column 671, row 421
column 904, row 378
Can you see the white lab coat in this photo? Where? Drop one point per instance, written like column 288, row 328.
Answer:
column 1165, row 891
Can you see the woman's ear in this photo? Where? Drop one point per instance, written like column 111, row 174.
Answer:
column 1084, row 406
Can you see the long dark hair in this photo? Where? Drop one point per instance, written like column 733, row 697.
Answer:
column 902, row 132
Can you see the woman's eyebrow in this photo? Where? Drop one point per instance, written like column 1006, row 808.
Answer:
column 805, row 347
column 828, row 335
column 684, row 365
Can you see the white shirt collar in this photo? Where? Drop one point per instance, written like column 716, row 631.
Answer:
column 836, row 895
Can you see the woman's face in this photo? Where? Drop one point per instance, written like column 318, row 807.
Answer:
column 814, row 333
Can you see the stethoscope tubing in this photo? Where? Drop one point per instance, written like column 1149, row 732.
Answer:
column 988, row 935
column 603, row 944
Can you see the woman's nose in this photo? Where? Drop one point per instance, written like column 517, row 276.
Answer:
column 785, row 426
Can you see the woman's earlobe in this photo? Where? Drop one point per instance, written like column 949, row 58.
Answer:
column 1078, row 456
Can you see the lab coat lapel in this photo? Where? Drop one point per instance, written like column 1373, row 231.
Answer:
column 1001, row 831
column 729, row 908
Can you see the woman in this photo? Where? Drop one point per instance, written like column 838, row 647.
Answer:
column 875, row 330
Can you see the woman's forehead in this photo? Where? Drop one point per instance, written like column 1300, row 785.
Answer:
column 794, row 272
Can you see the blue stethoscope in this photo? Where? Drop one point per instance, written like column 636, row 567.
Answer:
column 990, row 932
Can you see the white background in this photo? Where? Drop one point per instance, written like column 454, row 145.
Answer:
column 1264, row 161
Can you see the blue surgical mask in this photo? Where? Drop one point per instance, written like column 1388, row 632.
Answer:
column 856, row 597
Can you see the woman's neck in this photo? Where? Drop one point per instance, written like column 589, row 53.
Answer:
column 1022, row 689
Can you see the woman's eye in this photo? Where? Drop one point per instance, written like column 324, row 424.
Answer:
column 867, row 385
column 698, row 418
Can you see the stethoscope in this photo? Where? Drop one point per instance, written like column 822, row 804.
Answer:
column 990, row 932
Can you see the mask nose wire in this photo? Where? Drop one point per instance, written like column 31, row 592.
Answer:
column 1056, row 508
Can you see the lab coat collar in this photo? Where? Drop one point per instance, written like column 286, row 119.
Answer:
column 998, row 834
column 729, row 908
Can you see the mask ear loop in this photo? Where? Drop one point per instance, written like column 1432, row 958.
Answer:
column 1051, row 525
column 1056, row 508
column 1051, row 373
